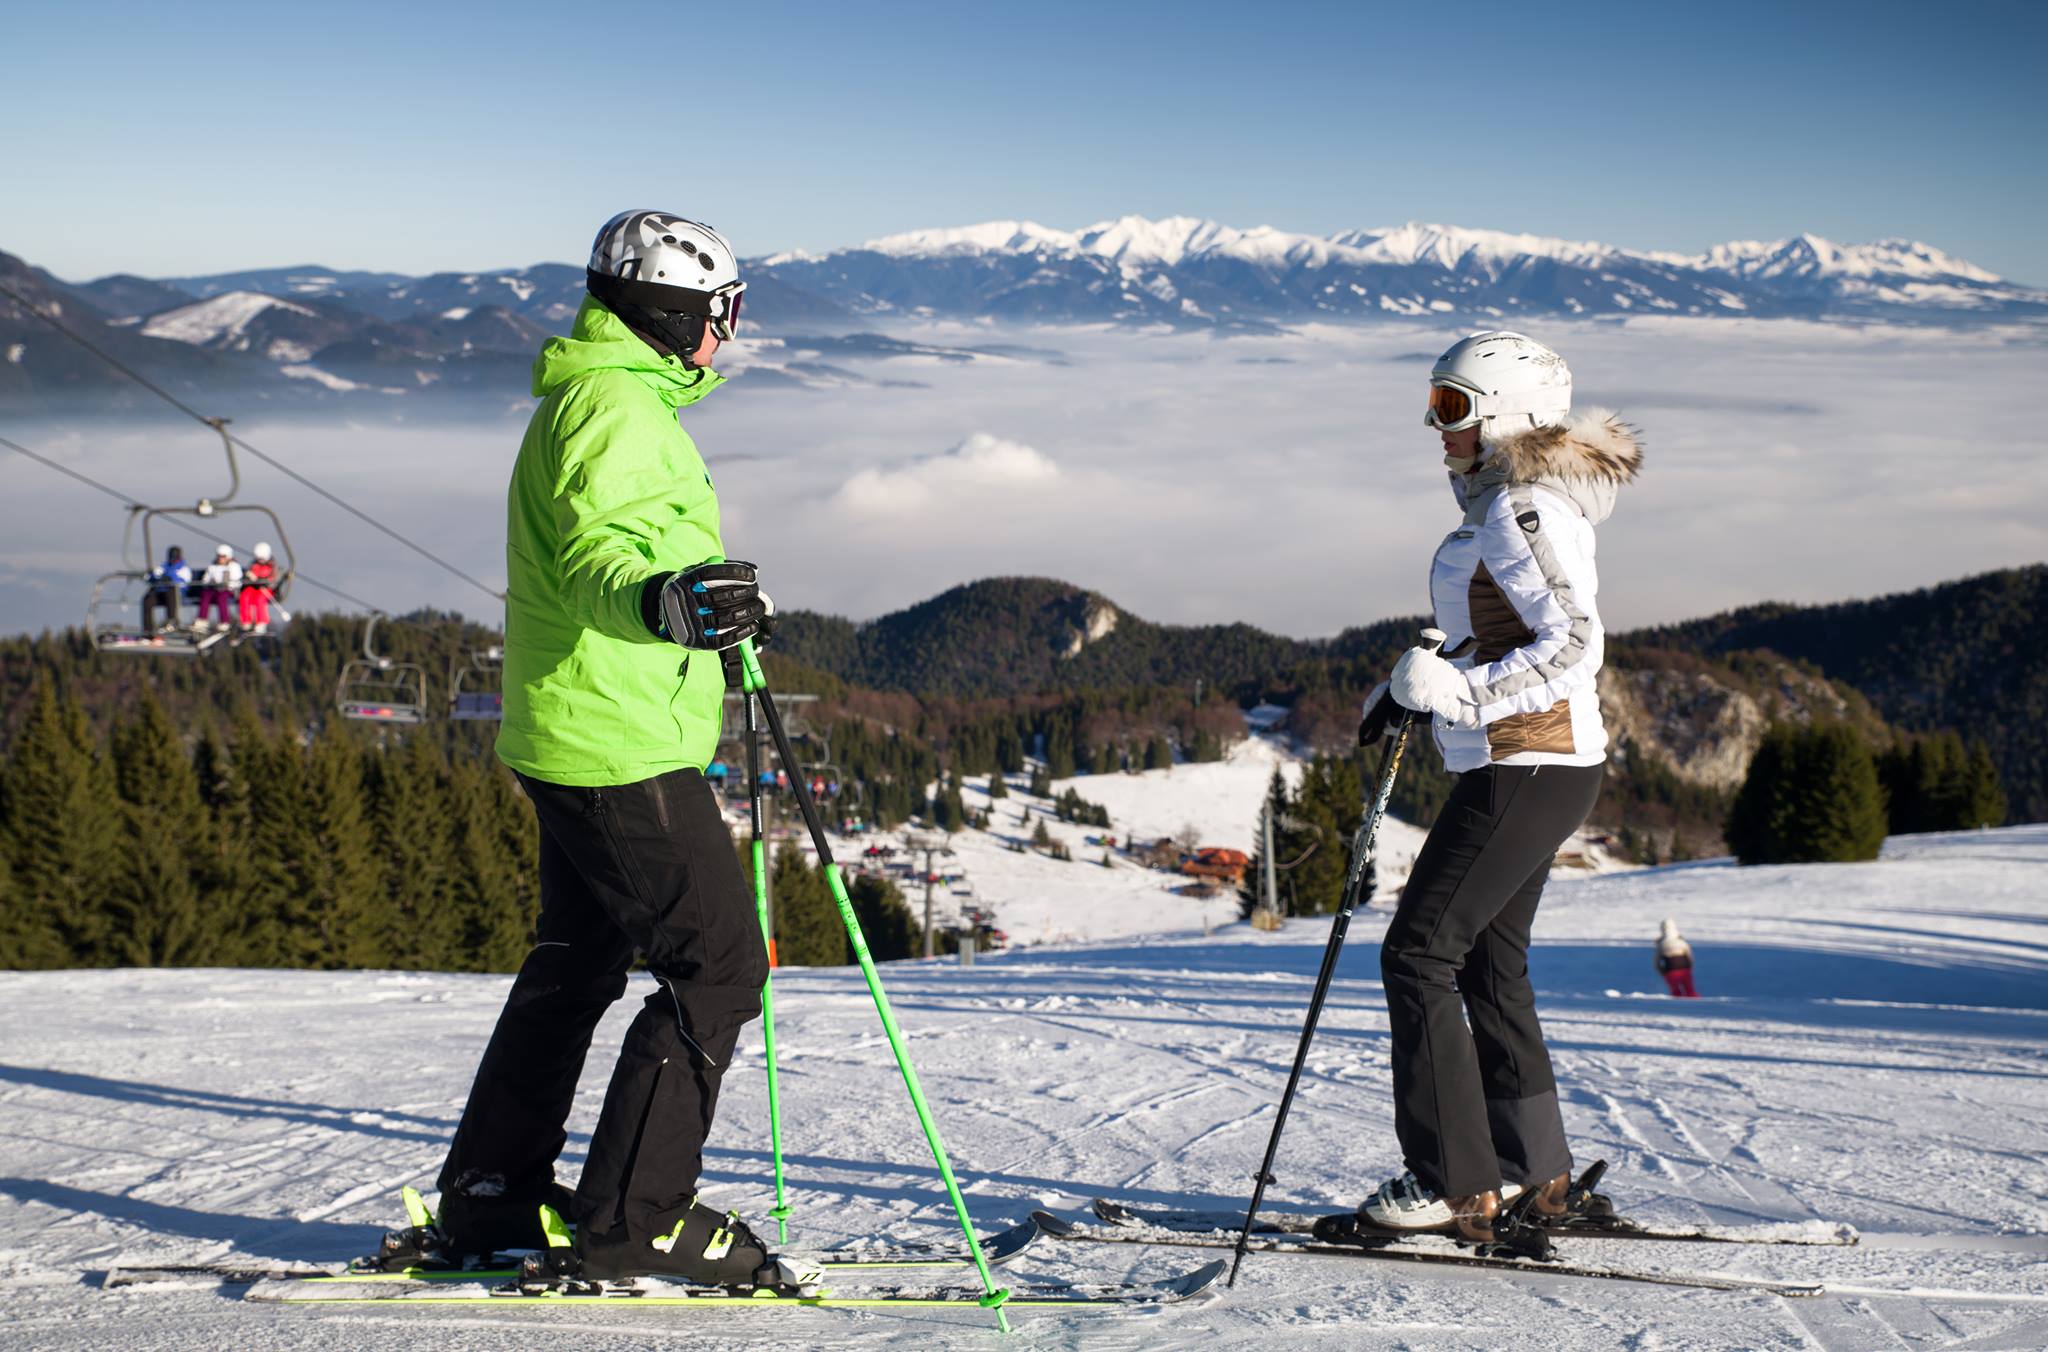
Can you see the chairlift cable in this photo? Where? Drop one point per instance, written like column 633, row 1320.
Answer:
column 204, row 527
column 215, row 423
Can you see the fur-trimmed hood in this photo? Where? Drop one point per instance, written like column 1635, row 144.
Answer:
column 1586, row 458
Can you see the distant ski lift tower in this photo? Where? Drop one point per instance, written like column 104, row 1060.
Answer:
column 931, row 845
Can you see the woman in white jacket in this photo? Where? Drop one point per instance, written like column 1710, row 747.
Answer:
column 1518, row 720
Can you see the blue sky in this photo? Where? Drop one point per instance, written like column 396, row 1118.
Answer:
column 168, row 139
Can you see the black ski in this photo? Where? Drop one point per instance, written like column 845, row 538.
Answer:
column 1817, row 1234
column 1417, row 1250
column 997, row 1249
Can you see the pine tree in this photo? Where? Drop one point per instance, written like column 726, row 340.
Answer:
column 157, row 915
column 60, row 827
column 1041, row 782
column 998, row 787
column 886, row 920
column 223, row 870
column 336, row 917
column 494, row 886
column 1159, row 754
column 1984, row 799
column 1760, row 814
column 271, row 780
column 1811, row 795
column 808, row 930
column 1059, row 750
column 27, row 938
column 1326, row 809
column 411, row 819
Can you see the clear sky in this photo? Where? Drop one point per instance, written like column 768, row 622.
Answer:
column 166, row 139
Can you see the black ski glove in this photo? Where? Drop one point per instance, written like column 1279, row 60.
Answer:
column 1381, row 715
column 709, row 608
column 735, row 669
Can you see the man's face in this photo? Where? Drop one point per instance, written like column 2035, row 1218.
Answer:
column 706, row 349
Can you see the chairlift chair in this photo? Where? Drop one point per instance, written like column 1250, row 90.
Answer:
column 375, row 689
column 114, row 613
column 484, row 699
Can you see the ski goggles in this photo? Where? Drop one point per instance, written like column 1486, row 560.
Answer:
column 724, row 310
column 1452, row 408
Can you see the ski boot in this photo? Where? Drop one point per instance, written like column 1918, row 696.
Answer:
column 1565, row 1204
column 707, row 1250
column 483, row 1215
column 1404, row 1207
column 420, row 1244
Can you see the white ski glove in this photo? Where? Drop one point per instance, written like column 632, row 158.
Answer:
column 1426, row 683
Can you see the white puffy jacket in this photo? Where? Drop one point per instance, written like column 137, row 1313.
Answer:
column 1518, row 576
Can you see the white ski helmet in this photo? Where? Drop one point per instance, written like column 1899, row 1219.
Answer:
column 224, row 552
column 262, row 551
column 1503, row 382
column 660, row 272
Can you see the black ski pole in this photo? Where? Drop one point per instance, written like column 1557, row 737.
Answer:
column 1354, row 878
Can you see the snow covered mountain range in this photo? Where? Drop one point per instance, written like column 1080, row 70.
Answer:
column 1184, row 270
column 316, row 331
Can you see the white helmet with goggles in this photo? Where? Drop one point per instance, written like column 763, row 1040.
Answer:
column 667, row 275
column 1501, row 382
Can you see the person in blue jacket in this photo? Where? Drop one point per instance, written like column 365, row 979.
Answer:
column 166, row 581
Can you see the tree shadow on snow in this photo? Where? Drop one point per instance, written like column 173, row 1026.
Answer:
column 362, row 1121
column 281, row 1238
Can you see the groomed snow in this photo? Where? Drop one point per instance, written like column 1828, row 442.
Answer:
column 1870, row 1050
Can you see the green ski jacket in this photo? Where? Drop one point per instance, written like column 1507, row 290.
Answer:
column 607, row 491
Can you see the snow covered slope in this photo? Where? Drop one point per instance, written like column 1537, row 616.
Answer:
column 1871, row 1048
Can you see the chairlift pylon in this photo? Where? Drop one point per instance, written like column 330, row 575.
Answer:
column 375, row 689
column 119, row 613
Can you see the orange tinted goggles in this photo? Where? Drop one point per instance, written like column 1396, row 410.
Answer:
column 1449, row 406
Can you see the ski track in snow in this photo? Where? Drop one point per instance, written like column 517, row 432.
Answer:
column 1871, row 1049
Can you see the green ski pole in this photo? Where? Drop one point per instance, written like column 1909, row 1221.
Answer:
column 760, row 858
column 755, row 683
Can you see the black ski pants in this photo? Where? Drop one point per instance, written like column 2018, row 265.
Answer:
column 1475, row 1102
column 645, row 868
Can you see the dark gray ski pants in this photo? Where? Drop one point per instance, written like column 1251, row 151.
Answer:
column 646, row 868
column 1475, row 1103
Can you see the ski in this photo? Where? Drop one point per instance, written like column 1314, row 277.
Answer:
column 665, row 1294
column 501, row 1268
column 1406, row 1251
column 997, row 1249
column 1805, row 1234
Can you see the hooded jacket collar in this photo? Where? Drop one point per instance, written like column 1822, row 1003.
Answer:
column 1586, row 458
column 599, row 341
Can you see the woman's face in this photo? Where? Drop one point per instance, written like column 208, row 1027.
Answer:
column 1463, row 444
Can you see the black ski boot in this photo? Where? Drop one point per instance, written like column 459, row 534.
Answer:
column 484, row 1216
column 706, row 1248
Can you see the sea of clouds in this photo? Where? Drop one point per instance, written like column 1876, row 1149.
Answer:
column 1282, row 480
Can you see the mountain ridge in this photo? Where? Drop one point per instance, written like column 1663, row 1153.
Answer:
column 359, row 335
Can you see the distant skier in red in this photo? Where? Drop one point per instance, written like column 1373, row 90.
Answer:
column 1674, row 960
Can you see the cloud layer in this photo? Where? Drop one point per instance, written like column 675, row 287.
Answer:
column 1287, row 481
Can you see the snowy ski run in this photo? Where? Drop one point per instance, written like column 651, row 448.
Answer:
column 1870, row 1049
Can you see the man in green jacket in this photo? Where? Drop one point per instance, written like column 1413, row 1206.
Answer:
column 620, row 614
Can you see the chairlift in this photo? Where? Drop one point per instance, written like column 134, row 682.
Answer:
column 375, row 689
column 483, row 701
column 120, row 615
